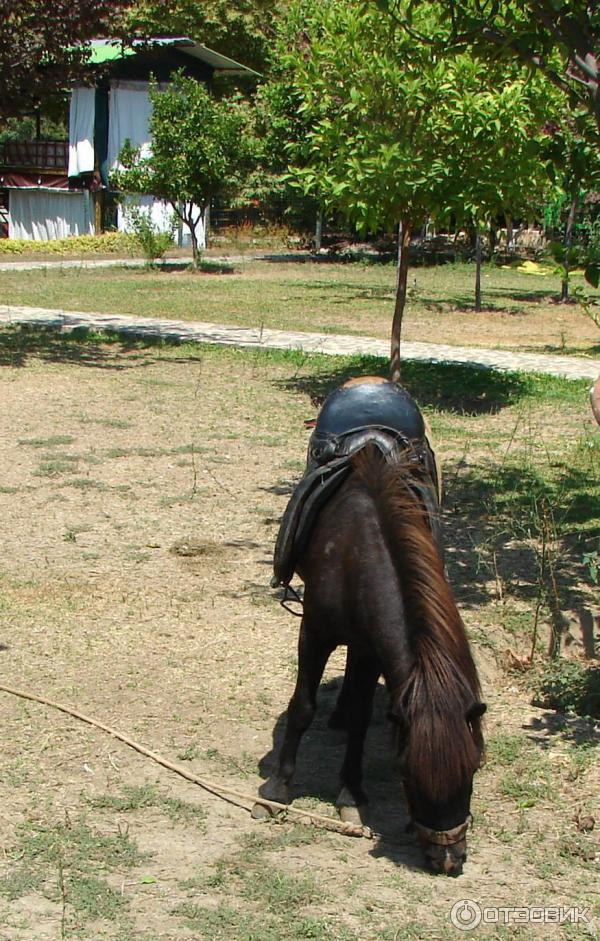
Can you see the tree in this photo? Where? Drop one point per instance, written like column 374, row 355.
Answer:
column 44, row 45
column 201, row 148
column 574, row 164
column 559, row 38
column 493, row 139
column 385, row 118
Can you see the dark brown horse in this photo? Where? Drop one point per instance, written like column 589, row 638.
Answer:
column 375, row 581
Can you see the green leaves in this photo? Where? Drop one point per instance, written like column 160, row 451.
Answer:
column 592, row 274
column 392, row 131
column 201, row 147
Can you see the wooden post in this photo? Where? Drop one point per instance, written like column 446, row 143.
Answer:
column 98, row 198
column 595, row 399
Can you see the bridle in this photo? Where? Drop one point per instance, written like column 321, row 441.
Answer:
column 443, row 837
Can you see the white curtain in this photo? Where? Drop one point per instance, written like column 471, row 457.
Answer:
column 40, row 215
column 128, row 118
column 81, row 131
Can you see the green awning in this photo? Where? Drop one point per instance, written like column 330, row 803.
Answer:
column 111, row 50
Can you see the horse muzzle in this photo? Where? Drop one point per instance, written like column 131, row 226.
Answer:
column 445, row 850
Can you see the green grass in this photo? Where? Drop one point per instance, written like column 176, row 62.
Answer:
column 51, row 442
column 324, row 297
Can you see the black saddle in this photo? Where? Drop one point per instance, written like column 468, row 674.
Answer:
column 372, row 412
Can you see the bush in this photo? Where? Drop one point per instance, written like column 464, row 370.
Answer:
column 111, row 243
column 567, row 686
column 153, row 241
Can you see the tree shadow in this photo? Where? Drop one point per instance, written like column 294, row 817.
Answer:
column 206, row 266
column 575, row 730
column 465, row 304
column 448, row 387
column 492, row 519
column 80, row 347
column 522, row 294
column 320, row 758
column 561, row 350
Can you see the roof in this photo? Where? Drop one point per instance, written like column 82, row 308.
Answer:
column 111, row 50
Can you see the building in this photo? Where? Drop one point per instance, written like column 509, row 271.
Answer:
column 54, row 189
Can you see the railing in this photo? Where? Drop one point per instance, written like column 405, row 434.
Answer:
column 35, row 155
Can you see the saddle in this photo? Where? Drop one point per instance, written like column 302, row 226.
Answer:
column 368, row 411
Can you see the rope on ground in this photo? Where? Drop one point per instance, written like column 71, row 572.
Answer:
column 217, row 790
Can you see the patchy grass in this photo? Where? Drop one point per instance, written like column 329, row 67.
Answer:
column 141, row 596
column 136, row 798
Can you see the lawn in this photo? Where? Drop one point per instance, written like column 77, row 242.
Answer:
column 357, row 298
column 141, row 491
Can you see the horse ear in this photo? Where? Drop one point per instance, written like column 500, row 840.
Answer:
column 476, row 711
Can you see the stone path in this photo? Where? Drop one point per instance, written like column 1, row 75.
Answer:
column 568, row 367
column 180, row 262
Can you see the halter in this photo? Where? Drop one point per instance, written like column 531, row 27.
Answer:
column 443, row 837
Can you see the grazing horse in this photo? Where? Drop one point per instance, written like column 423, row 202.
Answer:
column 370, row 556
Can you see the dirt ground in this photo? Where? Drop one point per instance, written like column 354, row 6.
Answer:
column 140, row 497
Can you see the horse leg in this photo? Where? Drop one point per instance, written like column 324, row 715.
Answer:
column 313, row 654
column 362, row 674
column 338, row 719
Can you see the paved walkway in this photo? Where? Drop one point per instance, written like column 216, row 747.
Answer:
column 568, row 367
column 180, row 262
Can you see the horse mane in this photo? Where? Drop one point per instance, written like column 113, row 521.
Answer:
column 443, row 748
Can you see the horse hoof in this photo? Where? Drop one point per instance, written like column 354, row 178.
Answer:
column 261, row 812
column 353, row 815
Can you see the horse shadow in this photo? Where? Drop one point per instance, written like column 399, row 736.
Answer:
column 320, row 758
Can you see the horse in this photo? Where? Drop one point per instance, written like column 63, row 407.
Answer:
column 375, row 581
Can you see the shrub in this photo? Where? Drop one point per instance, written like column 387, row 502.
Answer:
column 567, row 686
column 152, row 240
column 111, row 243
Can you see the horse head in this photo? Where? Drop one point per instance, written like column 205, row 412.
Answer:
column 439, row 796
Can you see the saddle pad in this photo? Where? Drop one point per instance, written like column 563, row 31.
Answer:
column 315, row 488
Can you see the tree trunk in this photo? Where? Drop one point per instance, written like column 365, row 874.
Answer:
column 206, row 221
column 404, row 233
column 595, row 399
column 564, row 289
column 477, row 269
column 194, row 239
column 319, row 230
